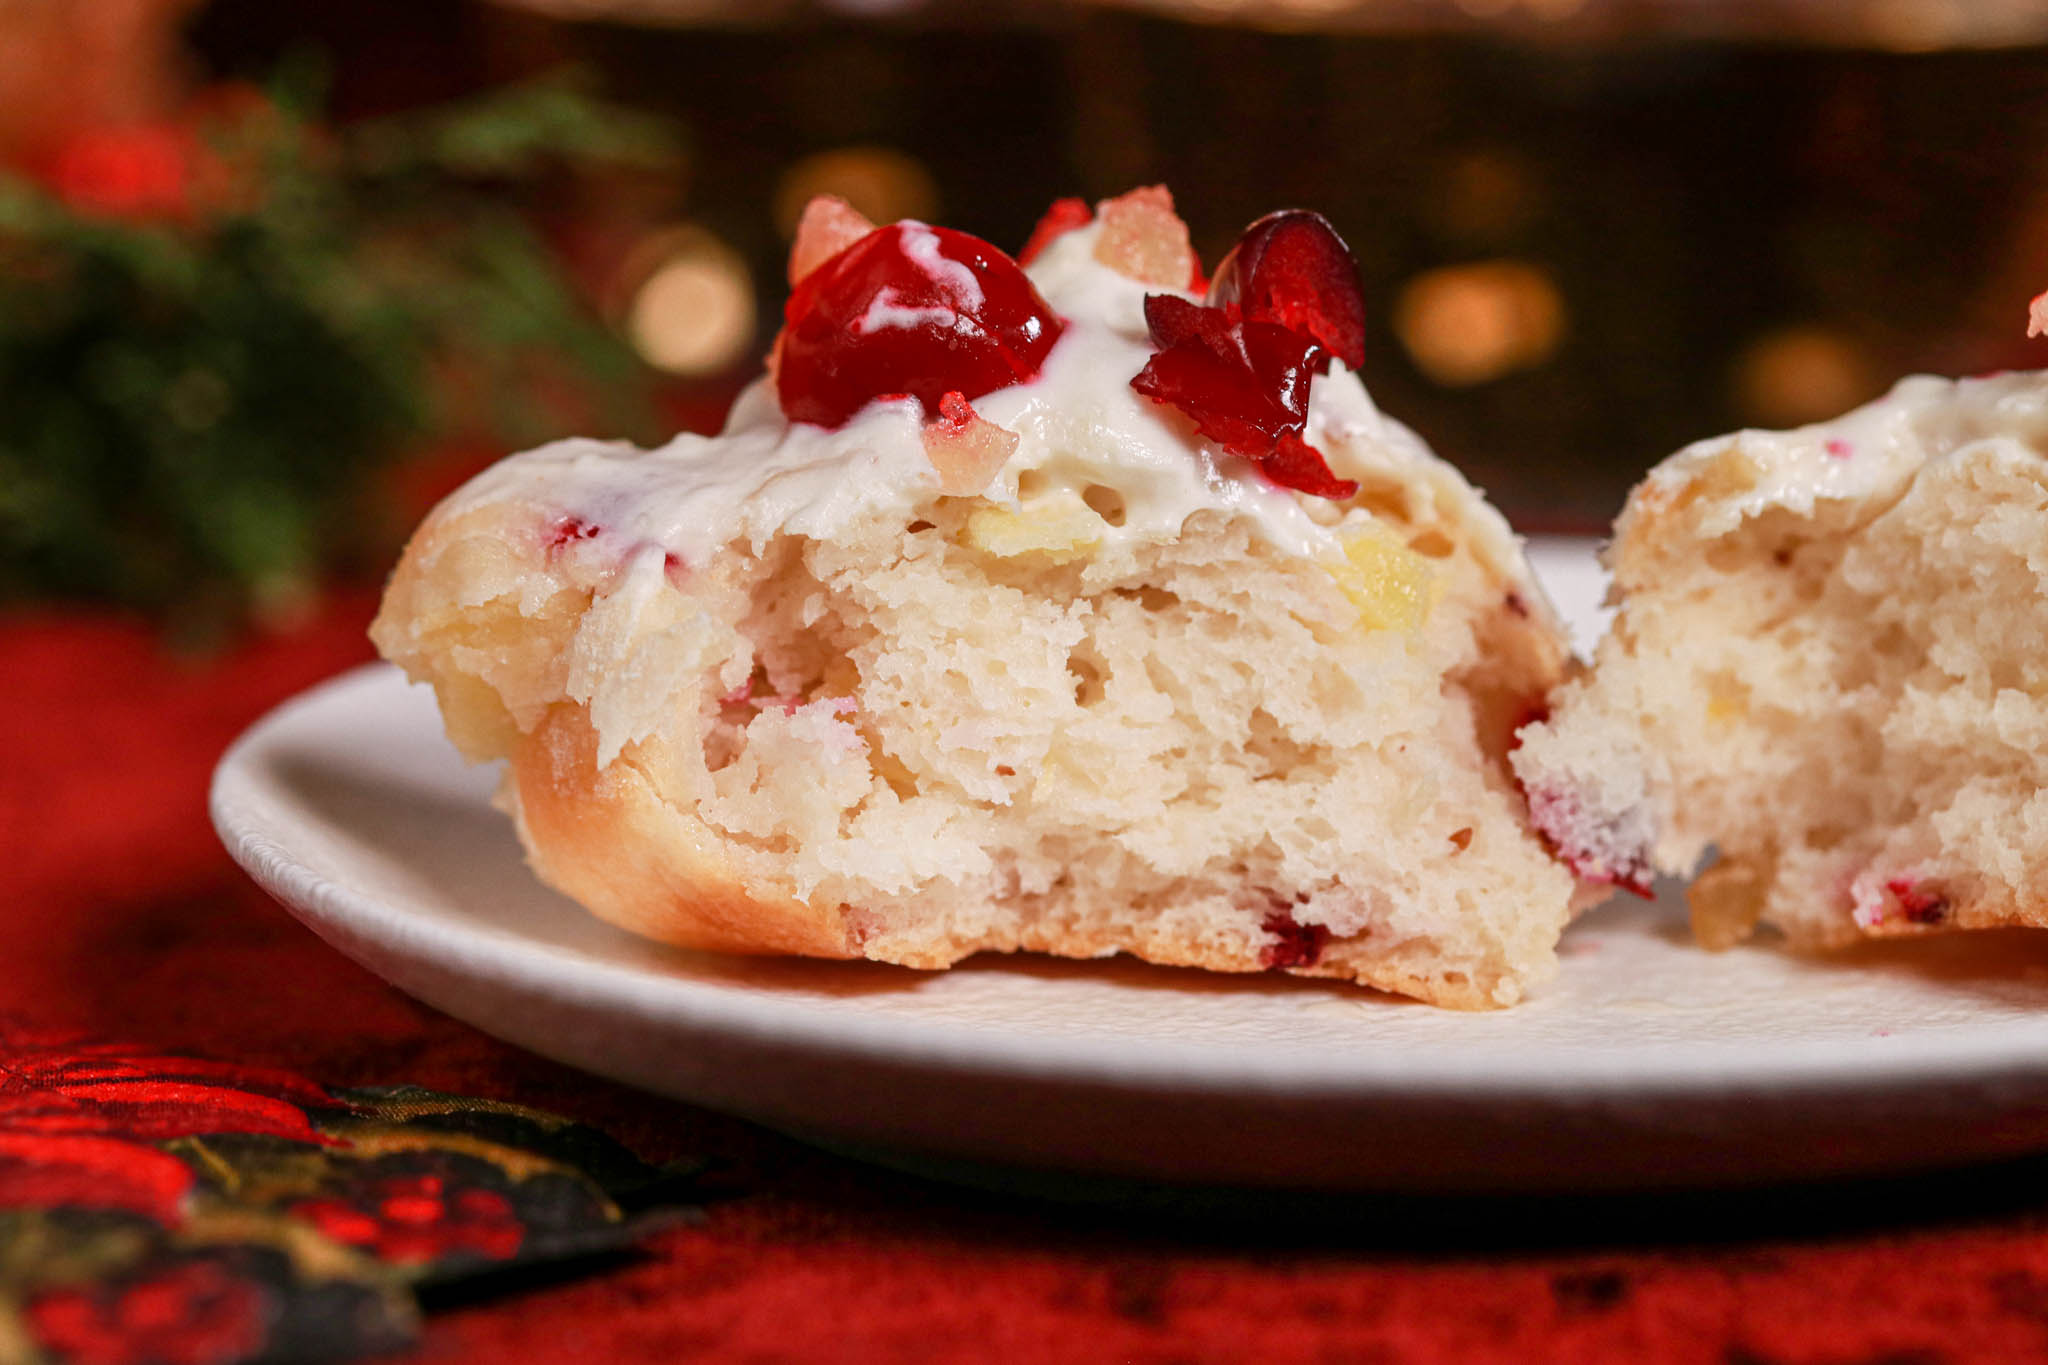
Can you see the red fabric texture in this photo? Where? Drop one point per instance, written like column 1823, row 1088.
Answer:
column 78, row 1119
column 194, row 1314
column 123, row 918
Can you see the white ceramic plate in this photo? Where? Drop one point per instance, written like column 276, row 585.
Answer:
column 1648, row 1063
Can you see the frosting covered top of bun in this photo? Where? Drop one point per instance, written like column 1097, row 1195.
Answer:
column 1250, row 401
column 1866, row 456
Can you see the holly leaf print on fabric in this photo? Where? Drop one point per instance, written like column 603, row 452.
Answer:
column 176, row 1209
column 78, row 1120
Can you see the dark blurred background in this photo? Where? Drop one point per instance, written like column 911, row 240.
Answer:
column 1589, row 230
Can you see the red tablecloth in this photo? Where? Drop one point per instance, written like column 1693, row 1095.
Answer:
column 124, row 918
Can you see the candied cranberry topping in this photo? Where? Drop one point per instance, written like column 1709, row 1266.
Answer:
column 1063, row 217
column 1292, row 268
column 909, row 309
column 1284, row 301
column 1294, row 944
column 1296, row 464
column 1245, row 385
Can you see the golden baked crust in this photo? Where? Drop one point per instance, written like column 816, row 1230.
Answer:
column 604, row 837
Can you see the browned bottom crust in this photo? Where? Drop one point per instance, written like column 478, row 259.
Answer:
column 606, row 839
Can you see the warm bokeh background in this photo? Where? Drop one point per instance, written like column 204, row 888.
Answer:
column 1589, row 230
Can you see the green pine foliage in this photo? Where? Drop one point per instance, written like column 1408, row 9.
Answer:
column 194, row 405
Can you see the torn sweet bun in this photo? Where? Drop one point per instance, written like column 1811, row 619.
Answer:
column 1059, row 608
column 1828, row 665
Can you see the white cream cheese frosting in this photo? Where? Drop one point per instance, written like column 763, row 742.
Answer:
column 1868, row 455
column 1080, row 425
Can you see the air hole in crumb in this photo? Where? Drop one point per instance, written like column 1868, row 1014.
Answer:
column 1890, row 643
column 1434, row 545
column 1826, row 837
column 1087, row 679
column 1462, row 838
column 1030, row 483
column 721, row 746
column 891, row 770
column 1151, row 599
column 725, row 737
column 1269, row 745
column 1106, row 503
column 1384, row 500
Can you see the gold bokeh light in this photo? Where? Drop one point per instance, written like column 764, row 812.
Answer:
column 1801, row 374
column 1468, row 324
column 693, row 312
column 881, row 182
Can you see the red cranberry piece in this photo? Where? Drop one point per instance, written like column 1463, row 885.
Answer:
column 1296, row 464
column 909, row 309
column 1919, row 902
column 570, row 528
column 1294, row 944
column 1063, row 217
column 1292, row 268
column 1599, row 850
column 1244, row 384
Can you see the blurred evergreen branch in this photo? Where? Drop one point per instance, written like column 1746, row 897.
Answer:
column 215, row 334
column 514, row 132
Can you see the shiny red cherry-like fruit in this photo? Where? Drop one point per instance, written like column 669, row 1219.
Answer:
column 1292, row 268
column 909, row 309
